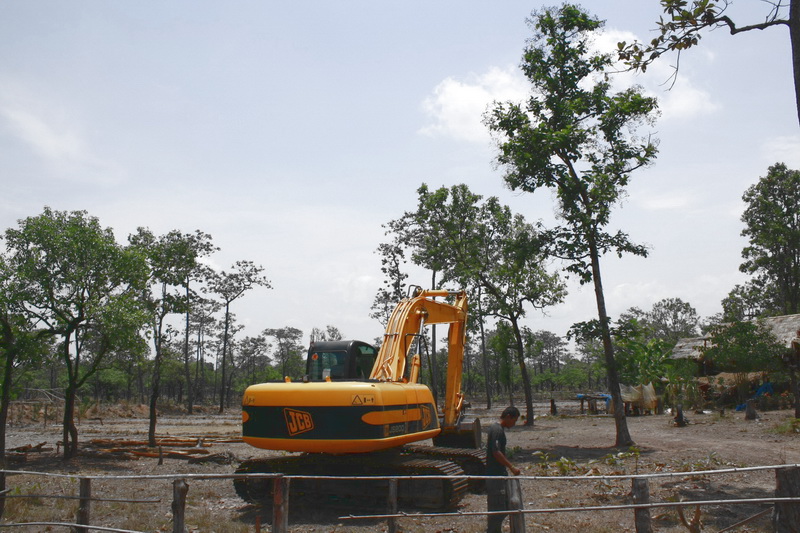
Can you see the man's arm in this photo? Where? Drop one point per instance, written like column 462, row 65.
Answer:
column 503, row 460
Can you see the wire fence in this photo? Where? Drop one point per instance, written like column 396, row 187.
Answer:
column 784, row 505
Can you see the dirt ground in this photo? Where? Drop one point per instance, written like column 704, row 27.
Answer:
column 569, row 444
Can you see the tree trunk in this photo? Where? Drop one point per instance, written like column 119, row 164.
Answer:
column 70, row 433
column 5, row 400
column 794, row 37
column 486, row 374
column 623, row 435
column 526, row 380
column 154, row 393
column 224, row 357
column 187, row 371
column 155, row 385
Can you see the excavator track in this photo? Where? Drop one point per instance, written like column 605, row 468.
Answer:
column 471, row 460
column 412, row 494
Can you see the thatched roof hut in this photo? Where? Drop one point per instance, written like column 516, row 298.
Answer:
column 785, row 328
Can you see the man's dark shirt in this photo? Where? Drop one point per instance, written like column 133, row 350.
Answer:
column 496, row 441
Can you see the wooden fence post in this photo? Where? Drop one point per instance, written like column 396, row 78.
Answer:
column 85, row 495
column 786, row 516
column 515, row 502
column 392, row 507
column 179, row 490
column 280, row 505
column 641, row 494
column 553, row 408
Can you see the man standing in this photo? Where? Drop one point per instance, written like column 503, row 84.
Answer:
column 496, row 465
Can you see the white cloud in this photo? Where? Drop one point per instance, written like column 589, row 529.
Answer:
column 456, row 107
column 54, row 136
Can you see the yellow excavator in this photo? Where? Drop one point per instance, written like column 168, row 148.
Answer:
column 358, row 411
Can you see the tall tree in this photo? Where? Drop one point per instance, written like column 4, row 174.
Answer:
column 669, row 320
column 82, row 287
column 772, row 225
column 231, row 286
column 748, row 301
column 288, row 350
column 478, row 243
column 172, row 259
column 21, row 345
column 394, row 282
column 687, row 20
column 575, row 137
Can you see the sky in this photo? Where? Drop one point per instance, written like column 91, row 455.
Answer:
column 291, row 132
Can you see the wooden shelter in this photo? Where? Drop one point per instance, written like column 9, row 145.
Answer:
column 785, row 328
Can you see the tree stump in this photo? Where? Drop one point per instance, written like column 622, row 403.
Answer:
column 750, row 410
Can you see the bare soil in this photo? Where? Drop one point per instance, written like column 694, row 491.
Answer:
column 570, row 444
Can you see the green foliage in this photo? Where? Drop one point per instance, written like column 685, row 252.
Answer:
column 576, row 138
column 742, row 347
column 572, row 135
column 772, row 226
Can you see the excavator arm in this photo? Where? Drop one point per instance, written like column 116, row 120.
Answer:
column 406, row 326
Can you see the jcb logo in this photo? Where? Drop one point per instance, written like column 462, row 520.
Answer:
column 297, row 421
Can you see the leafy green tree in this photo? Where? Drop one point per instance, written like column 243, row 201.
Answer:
column 575, row 137
column 669, row 320
column 171, row 258
column 288, row 350
column 83, row 288
column 482, row 243
column 642, row 357
column 231, row 286
column 253, row 357
column 21, row 345
column 545, row 350
column 687, row 20
column 202, row 324
column 574, row 375
column 746, row 302
column 501, row 341
column 394, row 282
column 772, row 225
column 743, row 347
column 330, row 333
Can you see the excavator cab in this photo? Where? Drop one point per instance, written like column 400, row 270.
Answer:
column 340, row 360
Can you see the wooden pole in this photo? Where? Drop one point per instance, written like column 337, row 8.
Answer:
column 85, row 494
column 641, row 494
column 280, row 505
column 392, row 505
column 515, row 502
column 179, row 490
column 785, row 515
column 553, row 408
